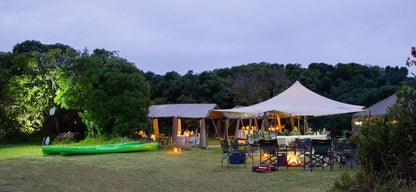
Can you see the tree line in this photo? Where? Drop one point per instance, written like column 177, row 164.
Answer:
column 111, row 95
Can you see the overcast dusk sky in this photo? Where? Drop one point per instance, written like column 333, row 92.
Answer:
column 202, row 35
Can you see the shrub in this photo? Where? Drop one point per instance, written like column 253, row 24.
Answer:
column 387, row 147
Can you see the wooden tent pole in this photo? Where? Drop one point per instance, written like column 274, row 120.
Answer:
column 305, row 126
column 227, row 124
column 179, row 126
column 249, row 125
column 279, row 123
column 237, row 127
column 155, row 128
column 292, row 122
column 215, row 127
column 203, row 134
column 243, row 126
column 175, row 129
column 219, row 128
column 263, row 124
column 298, row 125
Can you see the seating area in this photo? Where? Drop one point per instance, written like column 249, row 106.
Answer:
column 311, row 153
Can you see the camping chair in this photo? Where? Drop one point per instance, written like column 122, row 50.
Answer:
column 235, row 146
column 338, row 150
column 303, row 147
column 322, row 154
column 282, row 155
column 225, row 151
column 249, row 147
column 350, row 155
column 232, row 157
column 269, row 150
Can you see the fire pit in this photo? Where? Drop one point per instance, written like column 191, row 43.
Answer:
column 293, row 160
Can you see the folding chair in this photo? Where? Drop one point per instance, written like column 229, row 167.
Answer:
column 322, row 154
column 235, row 146
column 269, row 153
column 232, row 156
column 225, row 151
column 350, row 155
column 303, row 147
column 282, row 155
column 249, row 147
column 338, row 150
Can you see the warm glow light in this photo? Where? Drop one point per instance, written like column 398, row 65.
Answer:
column 140, row 133
column 292, row 160
column 274, row 128
column 175, row 149
column 265, row 155
column 358, row 123
column 187, row 133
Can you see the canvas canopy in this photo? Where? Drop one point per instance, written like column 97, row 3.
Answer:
column 297, row 100
column 190, row 111
column 378, row 108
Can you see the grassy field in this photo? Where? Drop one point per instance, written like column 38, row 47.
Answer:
column 24, row 168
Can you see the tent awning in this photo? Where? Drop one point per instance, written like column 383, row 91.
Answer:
column 191, row 111
column 297, row 100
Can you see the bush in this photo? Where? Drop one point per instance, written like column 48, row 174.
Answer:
column 387, row 147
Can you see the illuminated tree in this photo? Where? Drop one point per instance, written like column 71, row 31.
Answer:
column 110, row 93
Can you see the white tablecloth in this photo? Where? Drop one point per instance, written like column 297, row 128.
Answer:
column 290, row 139
column 190, row 141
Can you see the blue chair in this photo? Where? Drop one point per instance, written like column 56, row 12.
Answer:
column 233, row 157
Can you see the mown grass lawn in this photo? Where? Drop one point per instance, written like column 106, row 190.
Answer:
column 25, row 168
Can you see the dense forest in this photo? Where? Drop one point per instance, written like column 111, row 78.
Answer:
column 110, row 95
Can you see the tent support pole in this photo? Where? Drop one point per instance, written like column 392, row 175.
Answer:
column 305, row 126
column 237, row 127
column 249, row 125
column 243, row 126
column 292, row 122
column 203, row 134
column 227, row 124
column 155, row 128
column 298, row 125
column 279, row 123
column 175, row 129
column 215, row 127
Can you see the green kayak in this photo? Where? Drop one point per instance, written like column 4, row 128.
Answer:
column 109, row 148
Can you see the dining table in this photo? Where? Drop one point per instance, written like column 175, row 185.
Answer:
column 288, row 140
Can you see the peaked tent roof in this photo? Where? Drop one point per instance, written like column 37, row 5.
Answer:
column 191, row 111
column 297, row 100
column 378, row 108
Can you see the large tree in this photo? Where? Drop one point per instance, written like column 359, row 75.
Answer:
column 109, row 92
column 28, row 84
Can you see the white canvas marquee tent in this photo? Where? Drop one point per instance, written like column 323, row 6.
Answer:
column 297, row 100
